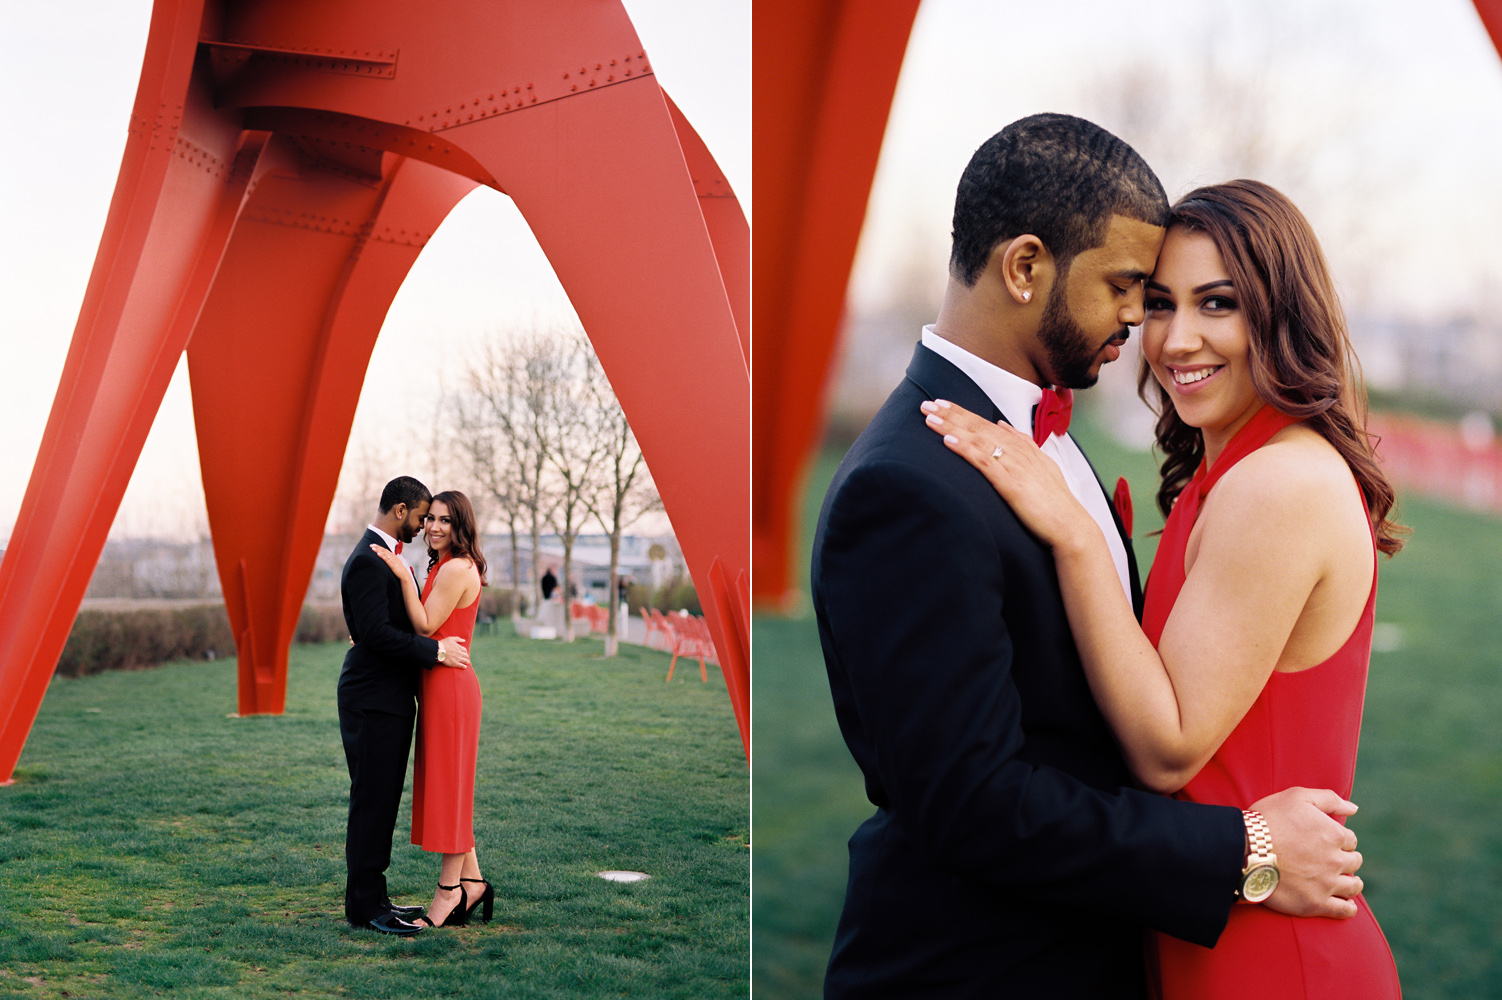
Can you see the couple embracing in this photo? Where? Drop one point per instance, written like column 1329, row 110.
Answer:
column 1082, row 790
column 408, row 648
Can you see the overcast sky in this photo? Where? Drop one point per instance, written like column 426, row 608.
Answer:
column 69, row 81
column 1386, row 122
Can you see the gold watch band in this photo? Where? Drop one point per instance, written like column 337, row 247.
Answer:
column 1260, row 875
column 1258, row 835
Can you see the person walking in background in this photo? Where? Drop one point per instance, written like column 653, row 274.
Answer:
column 448, row 724
column 377, row 703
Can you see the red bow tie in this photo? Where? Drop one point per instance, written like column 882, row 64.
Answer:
column 398, row 549
column 1051, row 415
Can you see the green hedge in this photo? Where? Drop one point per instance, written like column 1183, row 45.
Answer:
column 677, row 594
column 133, row 638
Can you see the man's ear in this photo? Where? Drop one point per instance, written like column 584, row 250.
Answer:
column 1024, row 266
column 399, row 512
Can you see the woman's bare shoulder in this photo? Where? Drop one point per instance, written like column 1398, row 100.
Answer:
column 1298, row 474
column 459, row 569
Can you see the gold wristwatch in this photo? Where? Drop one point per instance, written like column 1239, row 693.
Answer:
column 1260, row 876
column 442, row 651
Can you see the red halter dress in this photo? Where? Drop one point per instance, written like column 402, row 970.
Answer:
column 448, row 743
column 1301, row 730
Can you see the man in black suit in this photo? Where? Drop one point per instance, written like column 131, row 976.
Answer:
column 1009, row 855
column 378, row 704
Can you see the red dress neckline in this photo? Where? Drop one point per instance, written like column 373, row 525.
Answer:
column 1167, row 577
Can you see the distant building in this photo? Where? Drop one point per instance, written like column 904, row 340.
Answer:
column 152, row 568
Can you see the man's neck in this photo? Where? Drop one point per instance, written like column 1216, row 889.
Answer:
column 986, row 329
column 388, row 525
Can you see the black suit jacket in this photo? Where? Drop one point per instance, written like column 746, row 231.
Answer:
column 1007, row 856
column 382, row 668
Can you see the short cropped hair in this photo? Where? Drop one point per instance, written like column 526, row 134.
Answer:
column 404, row 489
column 1057, row 177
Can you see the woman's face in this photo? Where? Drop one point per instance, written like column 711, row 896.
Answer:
column 1195, row 337
column 439, row 527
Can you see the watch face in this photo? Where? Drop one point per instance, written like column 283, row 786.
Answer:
column 1259, row 883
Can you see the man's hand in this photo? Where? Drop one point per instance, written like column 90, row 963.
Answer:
column 455, row 655
column 1317, row 856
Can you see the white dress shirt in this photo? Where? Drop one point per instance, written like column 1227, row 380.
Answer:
column 390, row 542
column 1016, row 397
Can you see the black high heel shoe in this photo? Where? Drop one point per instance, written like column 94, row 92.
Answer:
column 487, row 899
column 458, row 916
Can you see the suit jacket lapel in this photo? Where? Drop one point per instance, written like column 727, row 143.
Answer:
column 941, row 380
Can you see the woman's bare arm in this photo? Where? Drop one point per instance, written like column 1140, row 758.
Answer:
column 452, row 584
column 1173, row 706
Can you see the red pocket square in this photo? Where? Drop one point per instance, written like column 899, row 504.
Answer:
column 1123, row 501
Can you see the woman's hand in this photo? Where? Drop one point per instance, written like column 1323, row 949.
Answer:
column 391, row 559
column 1029, row 481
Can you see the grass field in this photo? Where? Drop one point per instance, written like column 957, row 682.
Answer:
column 1429, row 776
column 151, row 844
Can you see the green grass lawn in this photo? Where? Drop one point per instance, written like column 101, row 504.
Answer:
column 153, row 844
column 1429, row 776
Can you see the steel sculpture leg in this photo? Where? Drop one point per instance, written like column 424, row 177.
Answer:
column 276, row 365
column 185, row 169
column 823, row 81
column 1491, row 17
column 726, row 222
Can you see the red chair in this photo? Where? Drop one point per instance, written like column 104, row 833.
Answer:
column 658, row 622
column 652, row 628
column 690, row 637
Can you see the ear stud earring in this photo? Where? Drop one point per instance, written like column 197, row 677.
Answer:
column 1027, row 296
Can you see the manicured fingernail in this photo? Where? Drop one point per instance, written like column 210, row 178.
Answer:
column 944, row 404
column 933, row 421
column 951, row 439
column 928, row 406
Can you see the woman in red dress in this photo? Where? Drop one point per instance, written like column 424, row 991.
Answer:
column 1248, row 672
column 448, row 721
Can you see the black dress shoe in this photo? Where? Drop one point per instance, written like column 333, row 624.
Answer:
column 405, row 912
column 389, row 923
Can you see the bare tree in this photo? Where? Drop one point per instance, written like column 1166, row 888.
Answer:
column 501, row 434
column 572, row 443
column 622, row 492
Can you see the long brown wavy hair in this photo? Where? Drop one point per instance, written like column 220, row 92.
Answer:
column 465, row 536
column 1300, row 353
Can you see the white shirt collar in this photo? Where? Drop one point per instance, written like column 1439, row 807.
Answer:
column 390, row 542
column 1013, row 395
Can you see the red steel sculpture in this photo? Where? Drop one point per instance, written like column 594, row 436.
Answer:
column 285, row 165
column 824, row 72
